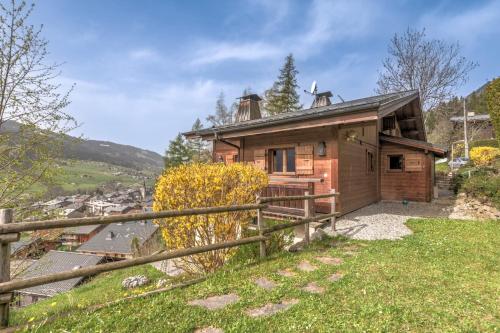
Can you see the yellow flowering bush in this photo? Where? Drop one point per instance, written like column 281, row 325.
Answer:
column 484, row 156
column 200, row 185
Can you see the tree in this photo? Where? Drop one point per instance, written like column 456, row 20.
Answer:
column 178, row 152
column 198, row 147
column 33, row 120
column 432, row 66
column 198, row 185
column 493, row 102
column 222, row 116
column 283, row 96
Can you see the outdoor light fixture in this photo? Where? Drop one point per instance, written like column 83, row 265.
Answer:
column 322, row 148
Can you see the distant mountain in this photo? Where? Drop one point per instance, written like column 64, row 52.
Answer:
column 104, row 151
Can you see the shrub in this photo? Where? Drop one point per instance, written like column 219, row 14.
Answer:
column 484, row 156
column 483, row 186
column 206, row 185
column 484, row 143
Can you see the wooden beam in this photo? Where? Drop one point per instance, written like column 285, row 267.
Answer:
column 53, row 224
column 93, row 270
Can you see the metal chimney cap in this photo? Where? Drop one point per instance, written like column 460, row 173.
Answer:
column 253, row 97
column 325, row 93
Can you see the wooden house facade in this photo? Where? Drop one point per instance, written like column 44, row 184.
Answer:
column 369, row 149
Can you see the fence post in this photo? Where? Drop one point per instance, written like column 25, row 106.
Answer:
column 6, row 216
column 261, row 224
column 307, row 213
column 333, row 219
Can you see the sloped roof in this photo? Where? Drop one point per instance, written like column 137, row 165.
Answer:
column 477, row 117
column 437, row 150
column 55, row 262
column 356, row 105
column 81, row 230
column 121, row 240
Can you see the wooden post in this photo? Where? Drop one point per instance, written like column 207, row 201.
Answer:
column 333, row 210
column 307, row 213
column 261, row 225
column 6, row 216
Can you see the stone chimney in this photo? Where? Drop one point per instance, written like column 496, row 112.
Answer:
column 322, row 99
column 249, row 108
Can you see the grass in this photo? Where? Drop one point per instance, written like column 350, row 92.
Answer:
column 442, row 167
column 444, row 277
column 103, row 288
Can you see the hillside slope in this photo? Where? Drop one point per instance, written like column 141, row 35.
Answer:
column 104, row 151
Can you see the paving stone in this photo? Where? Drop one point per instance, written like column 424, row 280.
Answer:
column 329, row 260
column 286, row 272
column 335, row 277
column 208, row 330
column 314, row 288
column 351, row 253
column 270, row 308
column 215, row 302
column 265, row 283
column 306, row 266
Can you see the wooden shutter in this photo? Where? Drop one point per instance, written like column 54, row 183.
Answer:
column 413, row 162
column 304, row 160
column 259, row 158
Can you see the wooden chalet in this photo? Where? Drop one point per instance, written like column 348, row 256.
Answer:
column 367, row 149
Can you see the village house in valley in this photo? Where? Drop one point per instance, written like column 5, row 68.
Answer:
column 54, row 262
column 124, row 240
column 367, row 149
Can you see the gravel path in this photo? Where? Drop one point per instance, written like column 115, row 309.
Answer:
column 386, row 220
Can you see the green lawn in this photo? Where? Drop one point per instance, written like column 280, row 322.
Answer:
column 444, row 278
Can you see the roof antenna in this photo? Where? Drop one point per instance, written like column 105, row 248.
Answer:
column 314, row 89
column 341, row 98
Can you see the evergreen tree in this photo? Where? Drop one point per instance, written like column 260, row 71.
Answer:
column 178, row 152
column 222, row 115
column 283, row 96
column 493, row 101
column 198, row 147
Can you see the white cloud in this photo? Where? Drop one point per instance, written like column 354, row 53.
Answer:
column 144, row 54
column 217, row 52
column 147, row 120
column 326, row 22
column 466, row 26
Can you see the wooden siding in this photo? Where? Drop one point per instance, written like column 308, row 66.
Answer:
column 322, row 165
column 357, row 184
column 405, row 184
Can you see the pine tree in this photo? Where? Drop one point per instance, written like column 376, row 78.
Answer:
column 493, row 102
column 178, row 152
column 198, row 147
column 222, row 115
column 283, row 96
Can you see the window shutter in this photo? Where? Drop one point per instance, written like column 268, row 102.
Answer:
column 259, row 158
column 304, row 160
column 413, row 162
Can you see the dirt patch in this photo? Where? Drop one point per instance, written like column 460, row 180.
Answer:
column 335, row 277
column 270, row 308
column 265, row 283
column 306, row 266
column 208, row 330
column 329, row 260
column 215, row 302
column 286, row 272
column 313, row 288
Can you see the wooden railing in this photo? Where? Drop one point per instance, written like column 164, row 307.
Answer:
column 10, row 232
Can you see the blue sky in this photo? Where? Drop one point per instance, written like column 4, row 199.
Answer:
column 145, row 70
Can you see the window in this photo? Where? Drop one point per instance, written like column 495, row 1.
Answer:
column 395, row 162
column 282, row 160
column 370, row 162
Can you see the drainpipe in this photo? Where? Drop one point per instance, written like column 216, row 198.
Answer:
column 216, row 135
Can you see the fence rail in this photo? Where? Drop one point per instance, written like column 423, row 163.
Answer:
column 9, row 232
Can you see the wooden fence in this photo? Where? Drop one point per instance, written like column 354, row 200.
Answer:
column 10, row 232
